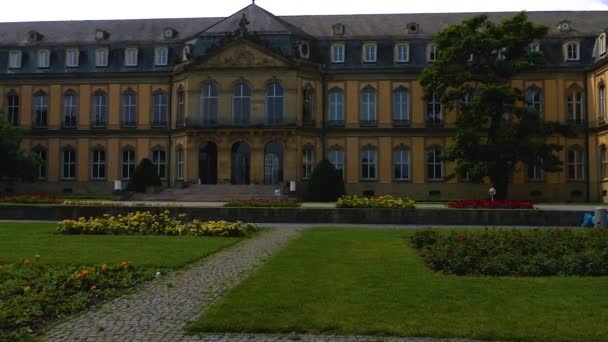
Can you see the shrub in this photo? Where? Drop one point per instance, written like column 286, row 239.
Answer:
column 31, row 199
column 489, row 204
column 145, row 175
column 146, row 223
column 517, row 252
column 258, row 203
column 33, row 294
column 325, row 184
column 386, row 201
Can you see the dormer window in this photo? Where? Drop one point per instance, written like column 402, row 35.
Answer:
column 101, row 57
column 161, row 56
column 564, row 26
column 187, row 52
column 572, row 51
column 101, row 34
column 14, row 59
column 402, row 53
column 412, row 28
column 304, row 50
column 71, row 58
column 369, row 53
column 431, row 52
column 337, row 53
column 44, row 58
column 169, row 33
column 131, row 57
column 338, row 30
column 602, row 44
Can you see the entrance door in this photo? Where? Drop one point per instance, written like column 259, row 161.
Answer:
column 207, row 163
column 273, row 163
column 241, row 160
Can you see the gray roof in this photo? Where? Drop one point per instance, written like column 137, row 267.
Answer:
column 583, row 23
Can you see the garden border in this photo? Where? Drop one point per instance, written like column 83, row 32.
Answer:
column 478, row 217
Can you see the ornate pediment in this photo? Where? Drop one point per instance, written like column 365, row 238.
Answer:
column 242, row 55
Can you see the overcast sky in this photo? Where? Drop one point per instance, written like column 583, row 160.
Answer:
column 37, row 10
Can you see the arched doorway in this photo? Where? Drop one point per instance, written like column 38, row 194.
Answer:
column 241, row 163
column 207, row 163
column 273, row 163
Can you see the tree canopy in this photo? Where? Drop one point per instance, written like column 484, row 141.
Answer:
column 15, row 164
column 496, row 126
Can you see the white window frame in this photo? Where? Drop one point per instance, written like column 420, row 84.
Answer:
column 602, row 102
column 534, row 47
column 368, row 110
column 403, row 162
column 602, row 44
column 338, row 56
column 131, row 56
column 437, row 161
column 161, row 56
column 102, row 57
column 68, row 163
column 179, row 153
column 160, row 164
column 534, row 99
column 308, row 162
column 400, row 104
column 572, row 51
column 431, row 52
column 98, row 166
column 575, row 106
column 43, row 58
column 372, row 57
column 603, row 162
column 72, row 57
column 535, row 173
column 371, row 155
column 435, row 114
column 15, row 58
column 128, row 162
column 399, row 58
column 336, row 105
column 577, row 163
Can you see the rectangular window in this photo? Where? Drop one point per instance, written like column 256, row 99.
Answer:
column 369, row 53
column 535, row 173
column 181, row 109
column 42, row 166
column 401, row 107
column 159, row 110
column 128, row 164
column 576, row 165
column 100, row 109
column 575, row 107
column 101, row 57
column 336, row 157
column 44, row 58
column 12, row 109
column 68, row 161
column 180, row 163
column 434, row 111
column 602, row 103
column 98, row 165
column 369, row 161
column 41, row 110
column 308, row 162
column 70, row 108
column 131, row 57
column 129, row 109
column 337, row 53
column 14, row 60
column 160, row 162
column 572, row 52
column 434, row 165
column 402, row 53
column 71, row 58
column 336, row 108
column 368, row 107
column 161, row 56
column 401, row 164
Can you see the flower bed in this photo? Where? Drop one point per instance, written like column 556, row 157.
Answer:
column 259, row 203
column 499, row 252
column 31, row 199
column 386, row 201
column 147, row 223
column 33, row 294
column 489, row 204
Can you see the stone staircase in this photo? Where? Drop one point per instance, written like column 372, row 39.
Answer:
column 210, row 193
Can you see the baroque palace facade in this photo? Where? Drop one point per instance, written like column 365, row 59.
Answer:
column 259, row 99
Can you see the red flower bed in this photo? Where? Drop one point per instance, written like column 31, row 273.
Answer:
column 489, row 204
column 30, row 199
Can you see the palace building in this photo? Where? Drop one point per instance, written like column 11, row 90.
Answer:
column 256, row 98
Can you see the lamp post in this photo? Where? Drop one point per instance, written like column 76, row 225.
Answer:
column 492, row 193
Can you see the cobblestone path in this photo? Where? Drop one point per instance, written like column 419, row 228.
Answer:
column 159, row 312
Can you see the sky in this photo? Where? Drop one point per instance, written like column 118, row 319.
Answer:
column 129, row 9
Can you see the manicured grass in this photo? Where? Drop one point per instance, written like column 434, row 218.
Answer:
column 364, row 281
column 20, row 241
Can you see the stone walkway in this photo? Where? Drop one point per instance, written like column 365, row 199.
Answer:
column 161, row 310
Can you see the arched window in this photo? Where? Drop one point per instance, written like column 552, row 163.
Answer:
column 336, row 157
column 336, row 107
column 159, row 160
column 274, row 103
column 98, row 164
column 273, row 163
column 401, row 106
column 370, row 53
column 368, row 107
column 127, row 163
column 576, row 164
column 41, row 109
column 401, row 164
column 337, row 53
column 369, row 163
column 534, row 100
column 308, row 105
column 402, row 53
column 434, row 164
column 602, row 103
column 129, row 109
column 68, row 164
column 241, row 104
column 308, row 162
column 70, row 109
column 536, row 172
column 209, row 104
column 603, row 162
column 181, row 108
column 434, row 115
column 41, row 153
column 576, row 113
column 179, row 156
column 100, row 109
column 159, row 109
column 12, row 108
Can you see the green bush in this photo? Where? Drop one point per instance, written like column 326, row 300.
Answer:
column 258, row 203
column 33, row 294
column 145, row 175
column 517, row 252
column 386, row 201
column 325, row 184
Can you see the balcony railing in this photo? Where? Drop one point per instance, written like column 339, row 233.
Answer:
column 218, row 123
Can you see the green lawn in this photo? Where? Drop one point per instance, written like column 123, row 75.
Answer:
column 371, row 282
column 20, row 241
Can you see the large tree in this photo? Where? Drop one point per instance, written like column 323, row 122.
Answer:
column 496, row 128
column 14, row 162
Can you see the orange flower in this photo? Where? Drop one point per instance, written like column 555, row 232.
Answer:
column 104, row 267
column 1, row 267
column 78, row 276
column 84, row 273
column 26, row 262
column 124, row 264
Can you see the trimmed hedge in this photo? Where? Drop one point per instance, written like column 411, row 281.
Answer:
column 386, row 201
column 144, row 176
